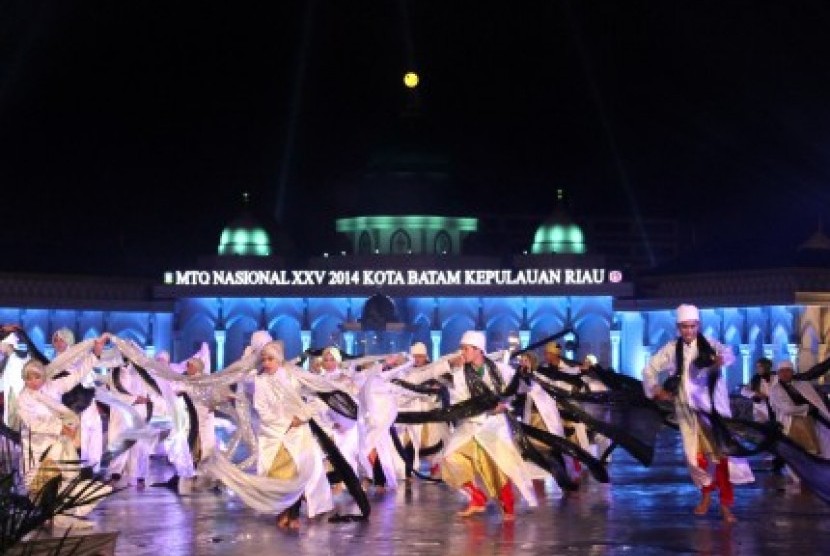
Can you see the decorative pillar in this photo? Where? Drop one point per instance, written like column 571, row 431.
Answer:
column 435, row 340
column 305, row 339
column 615, row 349
column 569, row 337
column 769, row 352
column 348, row 340
column 220, row 336
column 792, row 354
column 646, row 357
column 746, row 364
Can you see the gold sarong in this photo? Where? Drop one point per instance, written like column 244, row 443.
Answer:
column 471, row 460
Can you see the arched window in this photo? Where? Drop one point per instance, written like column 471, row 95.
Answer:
column 364, row 244
column 400, row 243
column 443, row 243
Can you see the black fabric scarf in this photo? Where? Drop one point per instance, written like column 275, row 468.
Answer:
column 799, row 399
column 705, row 358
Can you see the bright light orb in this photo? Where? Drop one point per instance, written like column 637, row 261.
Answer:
column 410, row 79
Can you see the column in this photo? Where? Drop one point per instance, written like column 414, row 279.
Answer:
column 746, row 364
column 524, row 337
column 769, row 352
column 615, row 349
column 348, row 341
column 646, row 356
column 305, row 339
column 792, row 354
column 435, row 340
column 220, row 336
column 569, row 337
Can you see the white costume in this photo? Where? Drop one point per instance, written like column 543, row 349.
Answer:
column 491, row 432
column 12, row 380
column 760, row 410
column 44, row 448
column 277, row 402
column 785, row 409
column 694, row 396
column 133, row 463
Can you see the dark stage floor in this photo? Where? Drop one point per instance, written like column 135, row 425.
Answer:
column 644, row 511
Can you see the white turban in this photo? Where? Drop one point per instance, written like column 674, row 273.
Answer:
column 785, row 364
column 66, row 335
column 687, row 313
column 260, row 338
column 474, row 338
column 335, row 353
column 418, row 348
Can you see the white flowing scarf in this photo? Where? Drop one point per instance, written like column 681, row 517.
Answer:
column 64, row 413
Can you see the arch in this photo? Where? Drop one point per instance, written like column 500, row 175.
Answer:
column 454, row 328
column 442, row 243
column 400, row 243
column 326, row 332
column 421, row 331
column 593, row 331
column 499, row 330
column 364, row 243
column 287, row 329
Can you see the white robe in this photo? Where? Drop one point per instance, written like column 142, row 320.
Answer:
column 41, row 437
column 341, row 429
column 277, row 401
column 785, row 409
column 13, row 384
column 491, row 432
column 134, row 462
column 760, row 411
column 694, row 395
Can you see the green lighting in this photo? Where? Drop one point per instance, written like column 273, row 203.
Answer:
column 558, row 238
column 411, row 222
column 245, row 241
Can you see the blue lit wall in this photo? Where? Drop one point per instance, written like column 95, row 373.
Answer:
column 621, row 339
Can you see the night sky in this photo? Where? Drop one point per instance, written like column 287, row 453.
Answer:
column 130, row 129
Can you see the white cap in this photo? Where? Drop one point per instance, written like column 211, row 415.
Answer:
column 418, row 348
column 687, row 313
column 474, row 338
column 335, row 353
column 785, row 364
column 67, row 335
column 11, row 339
column 260, row 338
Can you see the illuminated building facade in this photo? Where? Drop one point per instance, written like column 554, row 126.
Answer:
column 405, row 284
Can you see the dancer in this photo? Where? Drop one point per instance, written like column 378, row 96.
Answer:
column 480, row 453
column 49, row 429
column 286, row 444
column 693, row 361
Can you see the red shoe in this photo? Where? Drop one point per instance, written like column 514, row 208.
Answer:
column 507, row 502
column 478, row 501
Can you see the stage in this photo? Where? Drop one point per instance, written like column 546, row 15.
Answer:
column 644, row 511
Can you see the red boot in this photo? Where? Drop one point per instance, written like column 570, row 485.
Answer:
column 478, row 501
column 507, row 502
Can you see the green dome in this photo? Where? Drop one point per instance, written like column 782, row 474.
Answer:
column 245, row 236
column 559, row 234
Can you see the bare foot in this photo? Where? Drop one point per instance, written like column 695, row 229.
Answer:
column 728, row 516
column 703, row 505
column 283, row 520
column 470, row 510
column 294, row 524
